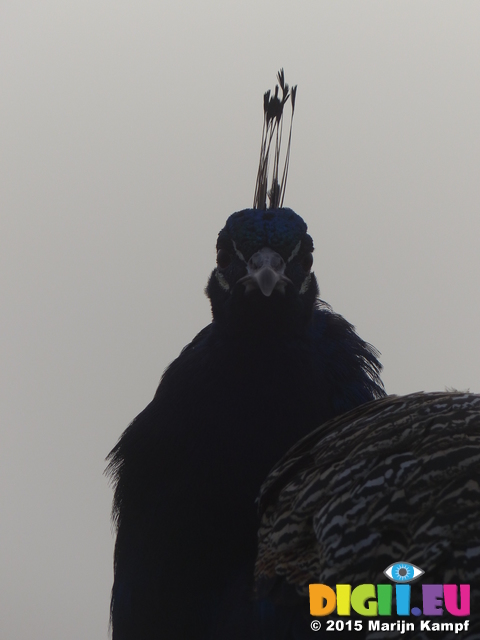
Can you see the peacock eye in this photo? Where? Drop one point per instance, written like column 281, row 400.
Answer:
column 223, row 258
column 307, row 262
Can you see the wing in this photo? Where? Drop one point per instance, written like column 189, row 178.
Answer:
column 155, row 501
column 396, row 479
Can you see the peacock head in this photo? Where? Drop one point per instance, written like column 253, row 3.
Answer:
column 264, row 255
column 264, row 261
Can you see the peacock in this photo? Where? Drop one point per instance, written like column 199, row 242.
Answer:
column 196, row 556
column 274, row 363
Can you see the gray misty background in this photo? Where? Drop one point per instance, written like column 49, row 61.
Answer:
column 129, row 132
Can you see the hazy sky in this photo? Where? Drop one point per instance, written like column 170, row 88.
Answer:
column 129, row 132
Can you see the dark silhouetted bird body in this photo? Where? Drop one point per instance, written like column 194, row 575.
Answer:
column 395, row 480
column 273, row 365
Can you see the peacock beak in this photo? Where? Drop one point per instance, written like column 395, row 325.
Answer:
column 265, row 271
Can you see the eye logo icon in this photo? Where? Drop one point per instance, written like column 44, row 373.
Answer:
column 403, row 572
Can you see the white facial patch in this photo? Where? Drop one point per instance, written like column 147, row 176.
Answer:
column 305, row 284
column 295, row 251
column 221, row 281
column 238, row 252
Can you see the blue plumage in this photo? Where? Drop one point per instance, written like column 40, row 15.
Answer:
column 253, row 229
column 273, row 365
